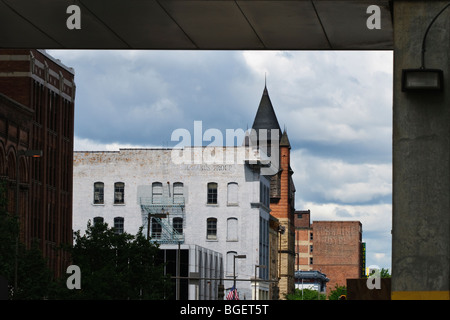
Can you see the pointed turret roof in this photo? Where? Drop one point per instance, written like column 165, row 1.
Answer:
column 265, row 116
column 284, row 141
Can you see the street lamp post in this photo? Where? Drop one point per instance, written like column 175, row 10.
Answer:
column 242, row 256
column 25, row 153
column 258, row 266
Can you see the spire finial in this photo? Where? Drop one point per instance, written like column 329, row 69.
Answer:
column 265, row 92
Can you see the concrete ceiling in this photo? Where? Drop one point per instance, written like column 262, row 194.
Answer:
column 196, row 24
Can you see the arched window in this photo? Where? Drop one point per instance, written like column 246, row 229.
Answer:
column 212, row 193
column 232, row 229
column 119, row 193
column 11, row 166
column 178, row 193
column 232, row 193
column 211, row 229
column 23, row 173
column 2, row 162
column 98, row 220
column 99, row 189
column 230, row 262
column 157, row 191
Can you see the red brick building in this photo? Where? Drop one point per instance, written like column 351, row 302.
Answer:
column 331, row 247
column 37, row 95
column 337, row 250
column 303, row 241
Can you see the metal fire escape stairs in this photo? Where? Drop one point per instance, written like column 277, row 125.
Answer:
column 163, row 218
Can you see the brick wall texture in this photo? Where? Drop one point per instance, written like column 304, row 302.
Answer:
column 337, row 250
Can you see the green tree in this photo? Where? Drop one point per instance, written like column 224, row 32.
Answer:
column 305, row 294
column 384, row 273
column 337, row 292
column 115, row 266
column 33, row 274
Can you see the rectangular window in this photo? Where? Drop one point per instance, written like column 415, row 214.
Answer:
column 99, row 193
column 118, row 225
column 119, row 193
column 211, row 229
column 156, row 229
column 178, row 225
column 212, row 193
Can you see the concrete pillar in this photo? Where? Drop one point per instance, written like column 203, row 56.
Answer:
column 421, row 157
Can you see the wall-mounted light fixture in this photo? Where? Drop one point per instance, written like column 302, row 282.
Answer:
column 424, row 79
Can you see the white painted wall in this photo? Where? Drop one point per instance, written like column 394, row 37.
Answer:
column 139, row 168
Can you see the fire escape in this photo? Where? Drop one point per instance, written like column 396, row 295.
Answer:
column 163, row 217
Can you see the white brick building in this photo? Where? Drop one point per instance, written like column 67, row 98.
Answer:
column 223, row 208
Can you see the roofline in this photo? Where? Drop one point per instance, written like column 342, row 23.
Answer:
column 57, row 61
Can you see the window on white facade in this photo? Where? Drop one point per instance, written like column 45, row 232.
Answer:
column 211, row 229
column 263, row 247
column 157, row 191
column 119, row 193
column 98, row 220
column 232, row 194
column 178, row 225
column 232, row 229
column 212, row 193
column 118, row 225
column 156, row 229
column 99, row 188
column 264, row 194
column 178, row 193
column 230, row 262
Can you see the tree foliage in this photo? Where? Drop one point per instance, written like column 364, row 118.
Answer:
column 337, row 292
column 33, row 275
column 305, row 294
column 384, row 273
column 115, row 266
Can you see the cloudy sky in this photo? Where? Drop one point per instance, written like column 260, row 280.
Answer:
column 335, row 105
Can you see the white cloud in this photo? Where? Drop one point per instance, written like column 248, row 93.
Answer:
column 333, row 180
column 331, row 97
column 375, row 218
column 86, row 144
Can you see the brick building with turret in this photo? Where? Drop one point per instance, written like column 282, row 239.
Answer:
column 282, row 190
